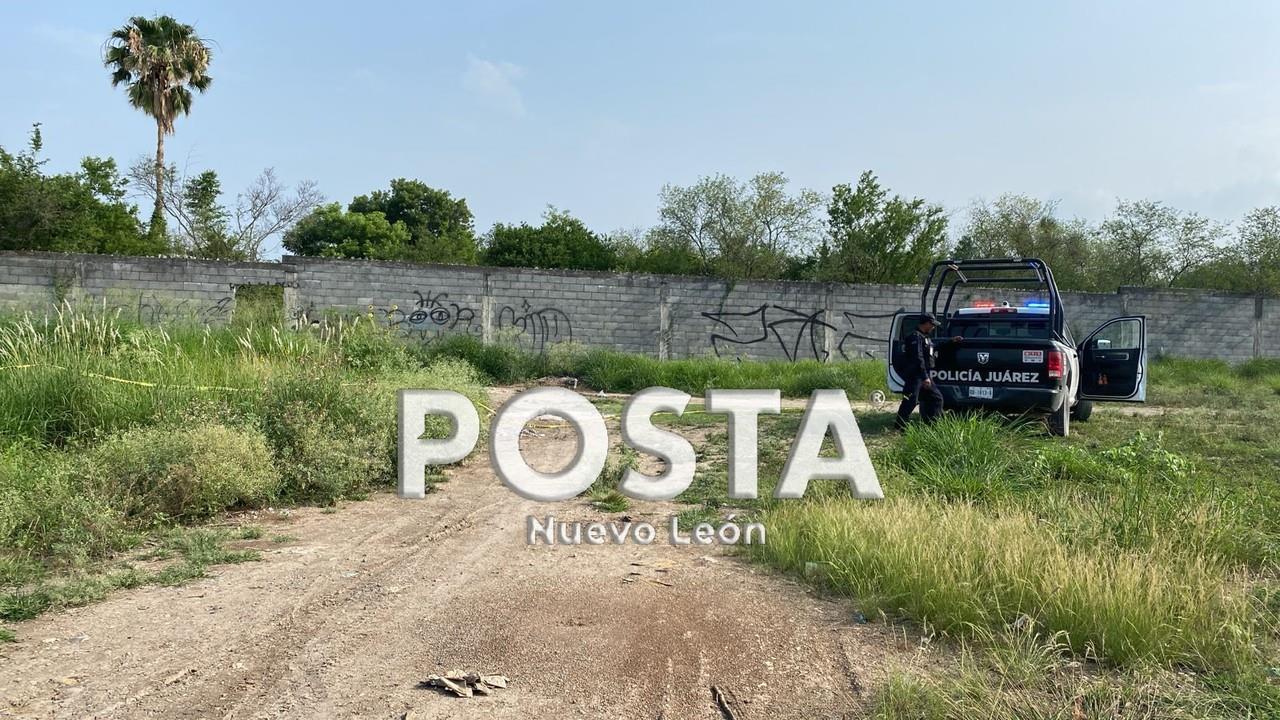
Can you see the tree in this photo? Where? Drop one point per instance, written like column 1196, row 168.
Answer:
column 873, row 237
column 561, row 241
column 440, row 226
column 735, row 229
column 1251, row 264
column 205, row 228
column 330, row 232
column 1150, row 244
column 159, row 61
column 205, row 218
column 636, row 250
column 74, row 212
column 1021, row 226
column 1258, row 247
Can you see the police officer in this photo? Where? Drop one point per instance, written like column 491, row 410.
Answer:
column 917, row 386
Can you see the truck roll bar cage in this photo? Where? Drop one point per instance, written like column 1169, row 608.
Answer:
column 951, row 274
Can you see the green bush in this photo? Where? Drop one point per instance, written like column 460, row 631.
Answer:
column 500, row 362
column 324, row 458
column 186, row 473
column 331, row 440
column 335, row 438
column 370, row 347
column 46, row 509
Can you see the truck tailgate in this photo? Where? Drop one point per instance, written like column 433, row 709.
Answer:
column 996, row 364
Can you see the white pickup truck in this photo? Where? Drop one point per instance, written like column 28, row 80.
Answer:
column 1019, row 357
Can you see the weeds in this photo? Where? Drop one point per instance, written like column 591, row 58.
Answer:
column 614, row 371
column 958, row 569
column 193, row 551
column 110, row 432
column 604, row 491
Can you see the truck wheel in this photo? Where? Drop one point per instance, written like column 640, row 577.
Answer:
column 1082, row 410
column 1060, row 421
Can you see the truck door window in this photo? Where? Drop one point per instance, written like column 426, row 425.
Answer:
column 1119, row 336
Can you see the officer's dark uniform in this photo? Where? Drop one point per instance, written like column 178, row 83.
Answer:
column 919, row 357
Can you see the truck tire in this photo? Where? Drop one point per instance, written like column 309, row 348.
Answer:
column 1082, row 410
column 1060, row 421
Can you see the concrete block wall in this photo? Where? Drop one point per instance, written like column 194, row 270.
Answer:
column 141, row 289
column 1196, row 323
column 537, row 308
column 421, row 302
column 759, row 320
column 665, row 316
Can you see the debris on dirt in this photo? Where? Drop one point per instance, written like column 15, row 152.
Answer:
column 179, row 675
column 466, row 684
column 726, row 702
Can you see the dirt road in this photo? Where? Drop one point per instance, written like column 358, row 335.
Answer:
column 346, row 620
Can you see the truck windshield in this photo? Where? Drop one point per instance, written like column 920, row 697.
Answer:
column 1012, row 328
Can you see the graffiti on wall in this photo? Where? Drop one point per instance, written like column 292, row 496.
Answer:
column 149, row 309
column 879, row 322
column 799, row 334
column 536, row 327
column 430, row 316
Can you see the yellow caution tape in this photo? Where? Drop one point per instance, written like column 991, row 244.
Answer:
column 140, row 383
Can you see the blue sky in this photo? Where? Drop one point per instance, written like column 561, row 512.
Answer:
column 593, row 106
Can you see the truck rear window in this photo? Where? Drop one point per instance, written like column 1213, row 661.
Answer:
column 1011, row 328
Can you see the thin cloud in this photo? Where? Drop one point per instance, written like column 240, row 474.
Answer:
column 495, row 84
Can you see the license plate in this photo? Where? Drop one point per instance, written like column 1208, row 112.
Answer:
column 980, row 392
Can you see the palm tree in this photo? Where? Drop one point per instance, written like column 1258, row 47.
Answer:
column 159, row 61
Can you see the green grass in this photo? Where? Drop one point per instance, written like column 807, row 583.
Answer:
column 192, row 551
column 957, row 568
column 1128, row 571
column 1184, row 382
column 112, row 433
column 603, row 493
column 1018, row 675
column 1142, row 549
column 613, row 371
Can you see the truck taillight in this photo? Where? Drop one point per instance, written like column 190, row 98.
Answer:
column 1057, row 360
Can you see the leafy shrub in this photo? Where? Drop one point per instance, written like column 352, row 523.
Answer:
column 501, row 362
column 185, row 472
column 371, row 347
column 324, row 458
column 331, row 440
column 47, row 509
column 335, row 438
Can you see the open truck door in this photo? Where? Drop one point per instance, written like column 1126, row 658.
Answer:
column 903, row 325
column 1113, row 361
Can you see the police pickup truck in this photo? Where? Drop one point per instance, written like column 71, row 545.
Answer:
column 1018, row 356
